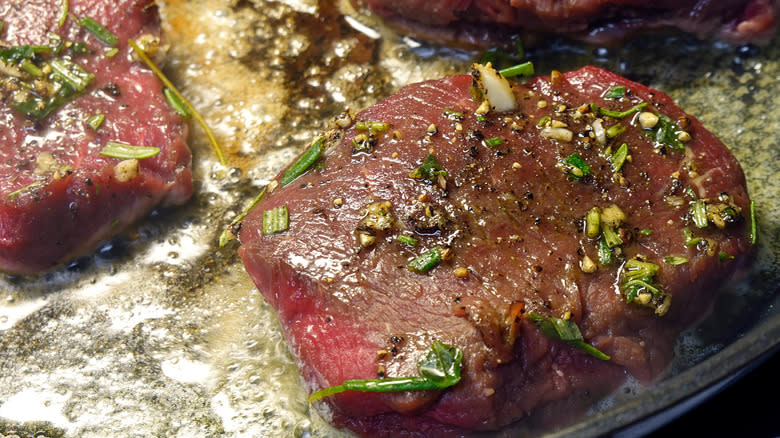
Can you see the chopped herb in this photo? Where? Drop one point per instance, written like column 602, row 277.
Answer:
column 543, row 121
column 303, row 163
column 411, row 241
column 615, row 130
column 611, row 238
column 616, row 92
column 665, row 133
column 364, row 125
column 100, row 32
column 617, row 114
column 723, row 256
column 566, row 331
column 63, row 13
column 690, row 240
column 72, row 73
column 276, row 220
column 675, row 260
column 698, row 213
column 195, row 114
column 753, row 230
column 28, row 187
column 619, row 157
column 524, row 69
column 95, row 121
column 124, row 151
column 439, row 368
column 454, row 115
column 228, row 233
column 605, row 253
column 430, row 169
column 176, row 103
column 575, row 166
column 426, row 261
column 593, row 223
column 646, row 232
column 638, row 286
column 494, row 141
column 110, row 53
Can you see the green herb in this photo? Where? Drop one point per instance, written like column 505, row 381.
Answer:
column 276, row 220
column 63, row 13
column 617, row 114
column 675, row 260
column 228, row 233
column 215, row 147
column 575, row 166
column 619, row 157
column 70, row 77
column 95, row 121
column 690, row 240
column 665, row 133
column 439, row 368
column 723, row 256
column 454, row 115
column 616, row 92
column 494, row 141
column 524, row 69
column 543, row 121
column 72, row 73
column 611, row 238
column 430, row 169
column 99, row 31
column 566, row 331
column 593, row 223
column 411, row 241
column 698, row 213
column 364, row 125
column 615, row 130
column 605, row 253
column 303, row 163
column 176, row 103
column 646, row 232
column 638, row 286
column 110, row 53
column 124, row 151
column 426, row 261
column 753, row 230
column 26, row 188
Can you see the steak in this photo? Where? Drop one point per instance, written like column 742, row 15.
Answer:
column 59, row 197
column 594, row 21
column 523, row 207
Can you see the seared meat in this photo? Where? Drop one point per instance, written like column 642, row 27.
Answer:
column 59, row 197
column 505, row 198
column 595, row 21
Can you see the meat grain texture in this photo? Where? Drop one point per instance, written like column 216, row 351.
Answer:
column 511, row 214
column 59, row 198
column 593, row 21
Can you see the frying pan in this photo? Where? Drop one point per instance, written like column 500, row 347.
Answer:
column 161, row 332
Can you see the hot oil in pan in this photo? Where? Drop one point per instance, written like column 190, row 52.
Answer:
column 162, row 333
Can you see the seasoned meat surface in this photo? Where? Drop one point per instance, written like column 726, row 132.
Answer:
column 507, row 210
column 58, row 196
column 595, row 21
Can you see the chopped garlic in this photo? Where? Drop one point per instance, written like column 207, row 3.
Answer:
column 126, row 170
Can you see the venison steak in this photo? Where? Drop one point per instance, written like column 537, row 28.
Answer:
column 594, row 21
column 433, row 217
column 66, row 94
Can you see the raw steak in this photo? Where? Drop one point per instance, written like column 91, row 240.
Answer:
column 595, row 21
column 58, row 196
column 506, row 207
